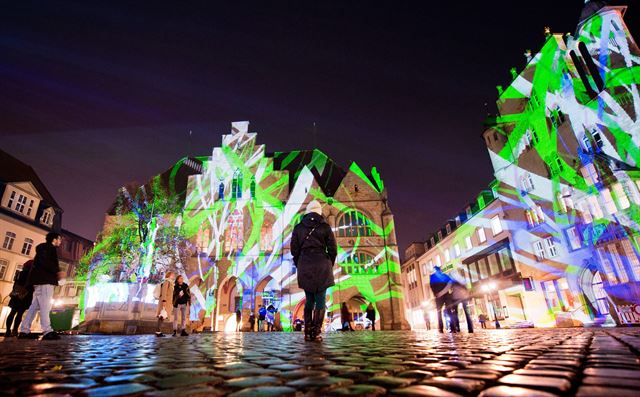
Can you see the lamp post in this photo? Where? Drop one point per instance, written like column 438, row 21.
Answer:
column 488, row 289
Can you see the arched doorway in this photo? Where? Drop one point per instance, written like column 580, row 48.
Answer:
column 229, row 300
column 357, row 306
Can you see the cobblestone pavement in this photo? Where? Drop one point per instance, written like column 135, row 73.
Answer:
column 488, row 363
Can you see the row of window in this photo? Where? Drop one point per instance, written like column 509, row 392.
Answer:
column 4, row 268
column 455, row 251
column 619, row 262
column 237, row 187
column 488, row 266
column 25, row 205
column 9, row 240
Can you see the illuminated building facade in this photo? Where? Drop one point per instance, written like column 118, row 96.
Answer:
column 224, row 221
column 564, row 148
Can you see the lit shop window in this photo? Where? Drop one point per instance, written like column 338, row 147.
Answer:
column 456, row 249
column 447, row 256
column 468, row 243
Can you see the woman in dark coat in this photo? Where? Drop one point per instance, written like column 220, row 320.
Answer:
column 314, row 251
column 19, row 306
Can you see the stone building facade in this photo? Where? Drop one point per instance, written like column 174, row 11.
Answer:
column 237, row 210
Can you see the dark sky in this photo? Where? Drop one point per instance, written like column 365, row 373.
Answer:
column 96, row 95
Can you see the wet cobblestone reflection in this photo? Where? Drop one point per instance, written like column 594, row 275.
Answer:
column 492, row 363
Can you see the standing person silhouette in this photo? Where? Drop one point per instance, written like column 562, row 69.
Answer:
column 440, row 284
column 314, row 251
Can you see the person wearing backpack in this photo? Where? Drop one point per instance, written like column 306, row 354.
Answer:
column 181, row 300
column 21, row 298
column 262, row 315
column 165, row 301
column 314, row 251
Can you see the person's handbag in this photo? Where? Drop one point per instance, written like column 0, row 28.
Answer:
column 19, row 291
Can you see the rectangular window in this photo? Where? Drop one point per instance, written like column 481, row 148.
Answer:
column 430, row 266
column 447, row 256
column 481, row 236
column 617, row 263
column 438, row 260
column 634, row 263
column 468, row 243
column 538, row 249
column 594, row 207
column 4, row 265
column 9, row 238
column 482, row 268
column 22, row 201
column 590, row 175
column 574, row 238
column 496, row 225
column 26, row 247
column 606, row 266
column 11, row 199
column 552, row 250
column 473, row 272
column 17, row 273
column 621, row 196
column 456, row 249
column 608, row 202
column 583, row 207
column 494, row 267
column 505, row 259
column 30, row 209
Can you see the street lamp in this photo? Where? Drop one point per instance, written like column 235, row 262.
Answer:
column 488, row 289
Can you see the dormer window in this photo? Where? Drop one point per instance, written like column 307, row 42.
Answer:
column 20, row 204
column 47, row 217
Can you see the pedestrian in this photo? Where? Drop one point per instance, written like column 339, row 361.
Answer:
column 346, row 317
column 44, row 276
column 314, row 251
column 238, row 319
column 271, row 318
column 21, row 297
column 262, row 315
column 371, row 315
column 440, row 284
column 482, row 318
column 181, row 299
column 165, row 301
column 460, row 295
column 252, row 322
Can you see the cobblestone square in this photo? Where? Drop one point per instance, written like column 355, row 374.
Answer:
column 525, row 362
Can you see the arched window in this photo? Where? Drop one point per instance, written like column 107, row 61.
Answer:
column 233, row 235
column 252, row 187
column 353, row 224
column 236, row 185
column 221, row 191
column 266, row 237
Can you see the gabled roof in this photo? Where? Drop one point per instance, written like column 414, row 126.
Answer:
column 326, row 172
column 13, row 170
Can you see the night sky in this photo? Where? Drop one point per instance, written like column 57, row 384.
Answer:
column 96, row 95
